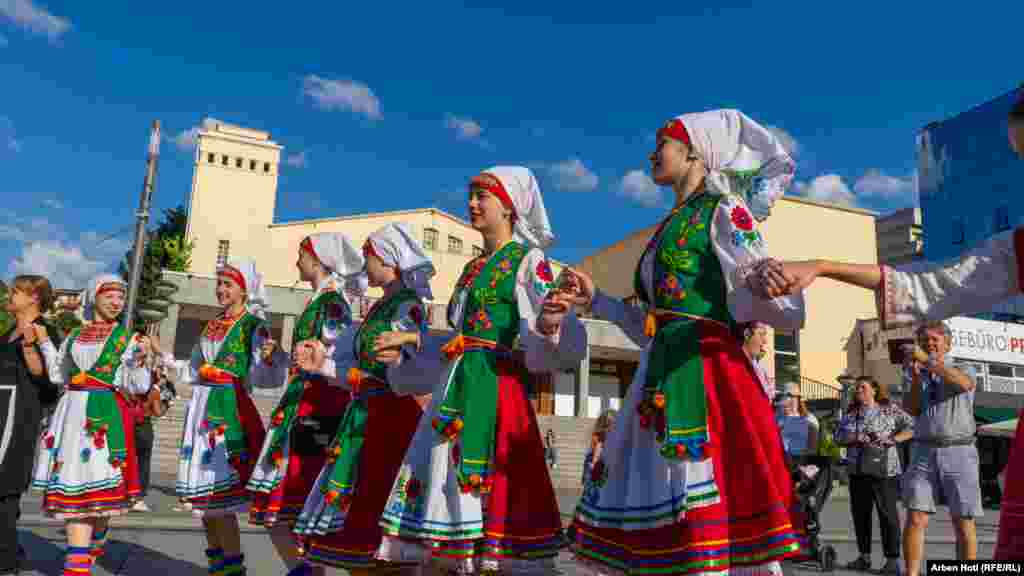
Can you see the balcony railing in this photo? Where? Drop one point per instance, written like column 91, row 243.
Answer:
column 816, row 390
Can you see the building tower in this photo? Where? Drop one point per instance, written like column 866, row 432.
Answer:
column 234, row 188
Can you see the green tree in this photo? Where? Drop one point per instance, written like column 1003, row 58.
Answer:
column 6, row 320
column 165, row 249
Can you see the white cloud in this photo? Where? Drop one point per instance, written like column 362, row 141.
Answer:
column 46, row 249
column 788, row 142
column 34, row 19
column 638, row 186
column 342, row 95
column 464, row 128
column 186, row 140
column 877, row 184
column 827, row 188
column 296, row 160
column 8, row 140
column 65, row 265
column 571, row 175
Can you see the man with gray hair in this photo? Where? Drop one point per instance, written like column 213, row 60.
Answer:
column 944, row 459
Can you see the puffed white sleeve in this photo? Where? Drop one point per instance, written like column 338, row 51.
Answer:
column 630, row 319
column 420, row 367
column 58, row 362
column 972, row 283
column 739, row 246
column 336, row 338
column 266, row 375
column 184, row 371
column 132, row 374
column 562, row 350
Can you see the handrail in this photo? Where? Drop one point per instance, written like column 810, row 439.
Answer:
column 815, row 389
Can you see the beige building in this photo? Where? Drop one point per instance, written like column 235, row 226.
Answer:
column 899, row 237
column 231, row 214
column 798, row 229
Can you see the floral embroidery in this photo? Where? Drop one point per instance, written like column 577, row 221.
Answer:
column 752, row 238
column 741, row 218
column 670, row 288
column 480, row 321
column 471, row 271
column 544, row 271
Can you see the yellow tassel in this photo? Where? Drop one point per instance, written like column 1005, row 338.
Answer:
column 650, row 325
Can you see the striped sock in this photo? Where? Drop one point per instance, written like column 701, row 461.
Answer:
column 234, row 566
column 78, row 561
column 215, row 556
column 99, row 542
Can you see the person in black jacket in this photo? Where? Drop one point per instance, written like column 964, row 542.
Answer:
column 25, row 392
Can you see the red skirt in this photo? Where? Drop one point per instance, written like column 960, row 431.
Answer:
column 1010, row 545
column 132, row 482
column 753, row 523
column 390, row 424
column 283, row 504
column 521, row 517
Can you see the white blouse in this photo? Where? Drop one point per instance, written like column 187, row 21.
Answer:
column 131, row 375
column 969, row 284
column 739, row 246
column 261, row 374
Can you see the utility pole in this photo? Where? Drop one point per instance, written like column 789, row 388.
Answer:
column 141, row 218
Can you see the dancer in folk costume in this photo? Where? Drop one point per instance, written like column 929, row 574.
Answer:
column 474, row 491
column 87, row 466
column 223, row 431
column 339, row 525
column 309, row 412
column 924, row 291
column 693, row 479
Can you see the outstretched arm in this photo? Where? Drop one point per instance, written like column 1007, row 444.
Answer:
column 971, row 283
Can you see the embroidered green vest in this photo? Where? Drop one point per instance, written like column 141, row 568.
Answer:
column 348, row 441
column 688, row 283
column 104, row 421
column 491, row 314
column 222, row 418
column 328, row 309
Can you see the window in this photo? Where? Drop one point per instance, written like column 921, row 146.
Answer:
column 223, row 250
column 430, row 238
column 1000, row 370
column 1002, row 219
column 252, row 165
column 211, row 157
column 266, row 167
column 477, row 251
column 958, row 231
column 224, row 159
column 238, row 162
column 787, row 358
column 454, row 245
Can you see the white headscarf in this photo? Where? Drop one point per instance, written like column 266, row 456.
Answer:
column 343, row 260
column 730, row 143
column 89, row 311
column 532, row 226
column 396, row 246
column 256, row 301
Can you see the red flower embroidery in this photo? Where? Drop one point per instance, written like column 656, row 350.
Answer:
column 412, row 489
column 741, row 218
column 544, row 271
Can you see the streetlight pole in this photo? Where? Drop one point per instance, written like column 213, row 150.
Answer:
column 141, row 217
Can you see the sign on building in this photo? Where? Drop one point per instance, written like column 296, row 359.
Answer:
column 987, row 341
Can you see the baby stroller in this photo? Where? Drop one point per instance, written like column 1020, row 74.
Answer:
column 811, row 496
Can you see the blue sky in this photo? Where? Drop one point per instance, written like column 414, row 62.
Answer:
column 396, row 105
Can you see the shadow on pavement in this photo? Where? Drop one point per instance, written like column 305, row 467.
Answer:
column 122, row 557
